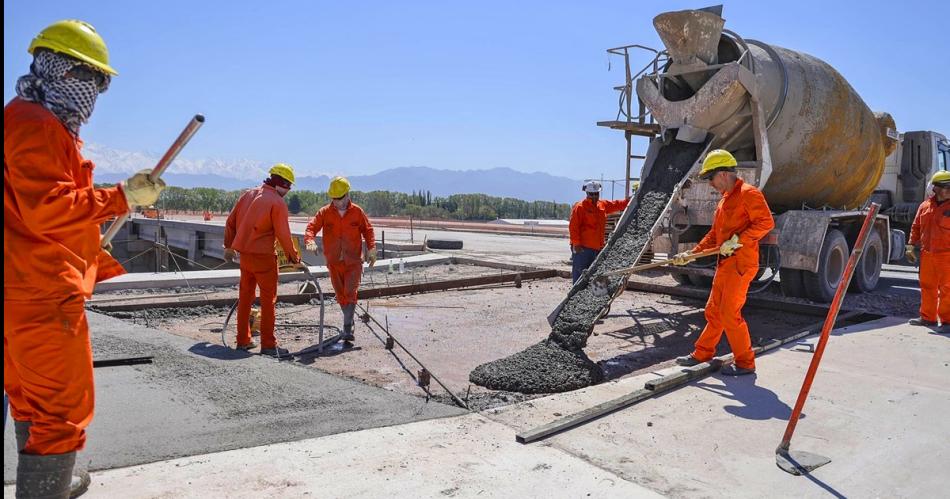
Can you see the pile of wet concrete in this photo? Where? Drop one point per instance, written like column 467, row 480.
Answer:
column 559, row 363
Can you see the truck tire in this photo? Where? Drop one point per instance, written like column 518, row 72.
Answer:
column 681, row 279
column 867, row 272
column 451, row 244
column 821, row 286
column 791, row 282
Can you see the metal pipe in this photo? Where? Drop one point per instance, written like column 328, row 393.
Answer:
column 160, row 168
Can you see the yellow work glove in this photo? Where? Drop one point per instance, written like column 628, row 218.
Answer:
column 312, row 246
column 140, row 190
column 911, row 253
column 371, row 256
column 229, row 255
column 730, row 246
column 682, row 258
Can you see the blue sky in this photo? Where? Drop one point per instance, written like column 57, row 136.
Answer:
column 358, row 87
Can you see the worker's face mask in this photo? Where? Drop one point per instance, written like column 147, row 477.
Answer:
column 282, row 190
column 341, row 203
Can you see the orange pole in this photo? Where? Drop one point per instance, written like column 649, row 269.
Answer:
column 829, row 323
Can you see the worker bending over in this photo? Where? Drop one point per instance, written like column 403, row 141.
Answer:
column 258, row 219
column 588, row 225
column 930, row 236
column 742, row 218
column 52, row 255
column 344, row 226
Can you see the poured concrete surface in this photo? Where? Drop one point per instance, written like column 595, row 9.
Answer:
column 877, row 409
column 466, row 456
column 198, row 398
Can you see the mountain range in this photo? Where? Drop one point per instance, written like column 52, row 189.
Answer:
column 113, row 165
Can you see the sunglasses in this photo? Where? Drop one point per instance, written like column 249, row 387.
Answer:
column 83, row 72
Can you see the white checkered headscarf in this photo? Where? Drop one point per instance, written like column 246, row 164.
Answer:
column 70, row 99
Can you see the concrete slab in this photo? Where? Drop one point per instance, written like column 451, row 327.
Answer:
column 465, row 456
column 198, row 398
column 876, row 409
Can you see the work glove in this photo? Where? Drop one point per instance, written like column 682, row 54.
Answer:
column 730, row 246
column 577, row 249
column 312, row 246
column 108, row 248
column 910, row 251
column 682, row 258
column 371, row 256
column 140, row 190
column 229, row 255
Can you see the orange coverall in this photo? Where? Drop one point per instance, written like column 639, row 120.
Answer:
column 259, row 217
column 51, row 262
column 342, row 247
column 588, row 222
column 931, row 232
column 742, row 211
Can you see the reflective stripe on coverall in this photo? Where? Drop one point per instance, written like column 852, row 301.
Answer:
column 52, row 260
column 931, row 232
column 343, row 247
column 742, row 211
column 258, row 219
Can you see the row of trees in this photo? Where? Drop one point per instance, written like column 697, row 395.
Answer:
column 421, row 204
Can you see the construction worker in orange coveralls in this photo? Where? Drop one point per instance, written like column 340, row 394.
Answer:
column 52, row 256
column 587, row 227
column 345, row 226
column 742, row 218
column 930, row 236
column 258, row 219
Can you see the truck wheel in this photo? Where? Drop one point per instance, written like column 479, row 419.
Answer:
column 791, row 282
column 682, row 279
column 832, row 259
column 868, row 270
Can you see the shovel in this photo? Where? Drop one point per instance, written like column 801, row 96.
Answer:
column 600, row 284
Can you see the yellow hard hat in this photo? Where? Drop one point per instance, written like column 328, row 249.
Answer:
column 283, row 171
column 716, row 159
column 76, row 39
column 339, row 186
column 941, row 177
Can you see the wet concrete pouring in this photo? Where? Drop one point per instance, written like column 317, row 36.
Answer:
column 560, row 363
column 453, row 332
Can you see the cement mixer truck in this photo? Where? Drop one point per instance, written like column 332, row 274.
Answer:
column 800, row 133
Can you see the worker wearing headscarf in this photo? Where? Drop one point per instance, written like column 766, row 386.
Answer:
column 345, row 227
column 52, row 252
column 259, row 218
column 930, row 237
column 742, row 218
column 588, row 226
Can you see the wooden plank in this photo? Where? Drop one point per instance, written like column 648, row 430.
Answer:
column 584, row 416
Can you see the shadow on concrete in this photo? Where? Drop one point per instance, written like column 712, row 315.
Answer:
column 756, row 403
column 330, row 351
column 213, row 351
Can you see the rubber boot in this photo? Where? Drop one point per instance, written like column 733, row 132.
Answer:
column 79, row 482
column 348, row 311
column 45, row 476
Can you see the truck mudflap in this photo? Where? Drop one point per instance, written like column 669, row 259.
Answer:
column 666, row 168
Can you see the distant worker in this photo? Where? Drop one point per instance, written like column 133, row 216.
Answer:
column 742, row 218
column 345, row 227
column 52, row 255
column 258, row 219
column 588, row 225
column 930, row 235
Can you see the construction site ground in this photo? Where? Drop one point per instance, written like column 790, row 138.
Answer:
column 202, row 414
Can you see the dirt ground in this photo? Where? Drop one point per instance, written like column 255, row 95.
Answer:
column 452, row 332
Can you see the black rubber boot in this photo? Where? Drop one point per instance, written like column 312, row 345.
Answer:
column 49, row 476
column 348, row 311
column 79, row 481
